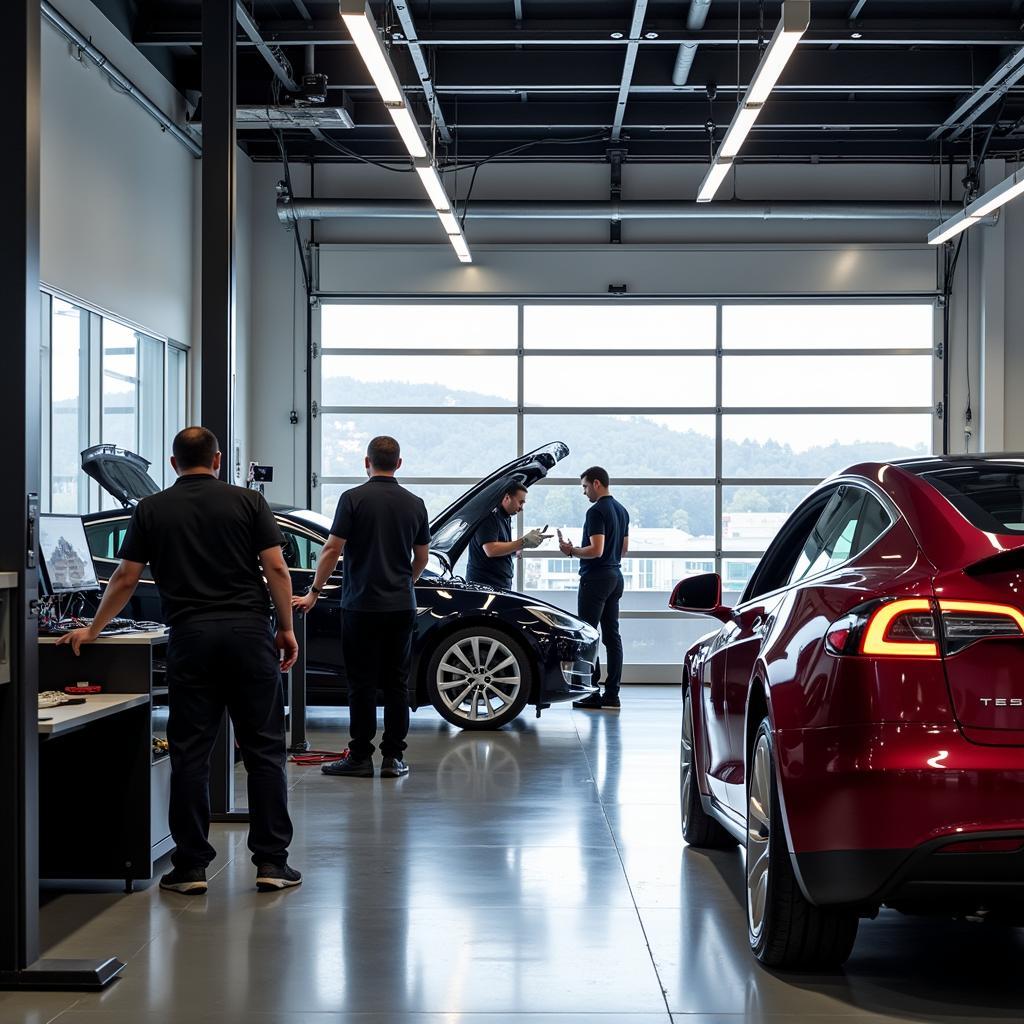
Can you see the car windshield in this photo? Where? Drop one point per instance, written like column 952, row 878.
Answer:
column 989, row 496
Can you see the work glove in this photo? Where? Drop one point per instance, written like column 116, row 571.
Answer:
column 534, row 539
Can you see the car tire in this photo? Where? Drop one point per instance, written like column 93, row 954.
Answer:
column 479, row 678
column 785, row 930
column 698, row 827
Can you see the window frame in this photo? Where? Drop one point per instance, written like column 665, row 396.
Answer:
column 718, row 411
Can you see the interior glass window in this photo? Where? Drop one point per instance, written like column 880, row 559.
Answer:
column 831, row 541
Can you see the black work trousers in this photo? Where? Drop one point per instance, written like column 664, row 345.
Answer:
column 598, row 604
column 213, row 666
column 377, row 647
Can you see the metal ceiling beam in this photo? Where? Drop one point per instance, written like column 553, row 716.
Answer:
column 282, row 71
column 856, row 9
column 635, row 30
column 422, row 71
column 1006, row 75
column 303, row 10
column 541, row 32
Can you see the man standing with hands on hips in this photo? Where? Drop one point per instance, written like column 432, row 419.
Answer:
column 383, row 531
column 605, row 543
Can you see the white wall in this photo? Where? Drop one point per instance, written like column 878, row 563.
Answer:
column 116, row 192
column 406, row 257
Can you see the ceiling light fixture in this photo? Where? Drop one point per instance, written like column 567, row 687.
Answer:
column 409, row 130
column 796, row 16
column 617, row 35
column 985, row 205
column 461, row 248
column 449, row 222
column 363, row 29
column 432, row 183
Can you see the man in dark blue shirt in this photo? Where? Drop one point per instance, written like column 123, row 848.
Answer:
column 384, row 533
column 605, row 543
column 492, row 548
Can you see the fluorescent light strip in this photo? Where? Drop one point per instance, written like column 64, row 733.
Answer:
column 432, row 183
column 363, row 29
column 1009, row 188
column 461, row 248
column 738, row 131
column 717, row 173
column 449, row 222
column 409, row 130
column 982, row 207
column 796, row 16
column 951, row 228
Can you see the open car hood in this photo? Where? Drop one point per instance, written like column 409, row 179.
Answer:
column 121, row 473
column 451, row 531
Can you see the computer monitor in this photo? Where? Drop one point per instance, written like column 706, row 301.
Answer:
column 66, row 563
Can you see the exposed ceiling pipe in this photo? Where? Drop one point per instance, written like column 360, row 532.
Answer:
column 118, row 77
column 687, row 51
column 292, row 210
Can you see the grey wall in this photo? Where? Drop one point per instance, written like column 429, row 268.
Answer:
column 116, row 193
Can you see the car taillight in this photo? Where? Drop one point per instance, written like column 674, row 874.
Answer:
column 907, row 628
column 964, row 622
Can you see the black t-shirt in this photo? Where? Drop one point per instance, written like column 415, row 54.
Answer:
column 606, row 516
column 379, row 521
column 202, row 538
column 492, row 572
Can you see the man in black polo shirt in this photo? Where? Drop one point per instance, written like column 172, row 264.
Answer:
column 605, row 543
column 209, row 546
column 492, row 548
column 384, row 534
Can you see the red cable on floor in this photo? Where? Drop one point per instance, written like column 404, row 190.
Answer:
column 317, row 756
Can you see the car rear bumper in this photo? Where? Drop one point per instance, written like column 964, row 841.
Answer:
column 984, row 871
column 872, row 809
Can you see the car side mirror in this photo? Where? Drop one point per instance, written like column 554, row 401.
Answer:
column 701, row 593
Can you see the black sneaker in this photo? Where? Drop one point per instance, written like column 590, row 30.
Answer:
column 355, row 767
column 595, row 702
column 393, row 768
column 187, row 881
column 272, row 877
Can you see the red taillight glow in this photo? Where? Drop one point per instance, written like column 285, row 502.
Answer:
column 876, row 639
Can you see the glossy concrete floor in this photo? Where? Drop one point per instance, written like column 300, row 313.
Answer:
column 532, row 876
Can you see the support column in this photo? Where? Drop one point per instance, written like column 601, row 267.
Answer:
column 219, row 29
column 20, row 966
column 992, row 312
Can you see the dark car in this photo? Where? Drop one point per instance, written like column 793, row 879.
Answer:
column 857, row 721
column 479, row 655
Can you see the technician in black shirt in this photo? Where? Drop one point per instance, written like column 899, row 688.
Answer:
column 383, row 531
column 492, row 548
column 605, row 543
column 209, row 546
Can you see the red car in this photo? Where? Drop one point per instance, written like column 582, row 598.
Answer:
column 857, row 722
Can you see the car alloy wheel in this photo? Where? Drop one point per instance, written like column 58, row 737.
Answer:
column 784, row 929
column 479, row 679
column 759, row 830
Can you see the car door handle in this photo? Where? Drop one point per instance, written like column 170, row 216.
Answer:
column 757, row 626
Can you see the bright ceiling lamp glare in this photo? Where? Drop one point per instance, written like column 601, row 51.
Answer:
column 432, row 184
column 718, row 172
column 461, row 248
column 363, row 29
column 796, row 16
column 449, row 222
column 984, row 206
column 409, row 130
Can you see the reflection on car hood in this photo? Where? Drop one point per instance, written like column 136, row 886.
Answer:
column 451, row 531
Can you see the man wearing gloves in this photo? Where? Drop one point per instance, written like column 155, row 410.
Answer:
column 492, row 548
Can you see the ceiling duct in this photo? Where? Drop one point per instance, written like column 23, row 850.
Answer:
column 291, row 210
column 687, row 51
column 284, row 117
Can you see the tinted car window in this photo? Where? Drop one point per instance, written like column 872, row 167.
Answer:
column 990, row 497
column 851, row 521
column 105, row 538
column 300, row 551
